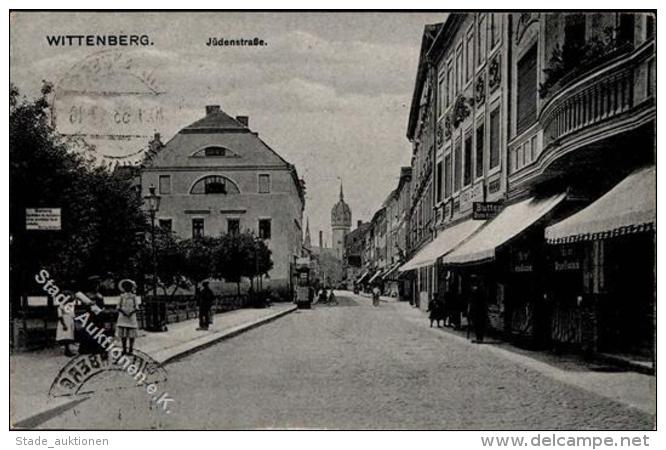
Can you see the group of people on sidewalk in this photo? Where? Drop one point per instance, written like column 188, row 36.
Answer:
column 448, row 311
column 126, row 325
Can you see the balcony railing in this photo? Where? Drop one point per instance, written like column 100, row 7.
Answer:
column 593, row 97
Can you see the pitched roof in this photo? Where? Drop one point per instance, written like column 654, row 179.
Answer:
column 215, row 120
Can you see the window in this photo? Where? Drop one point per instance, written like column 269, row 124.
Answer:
column 495, row 29
column 447, row 176
column 214, row 184
column 467, row 171
column 457, row 171
column 649, row 26
column 527, row 90
column 449, row 84
column 626, row 26
column 264, row 183
column 470, row 57
column 479, row 150
column 166, row 225
column 441, row 95
column 439, row 181
column 574, row 33
column 164, row 183
column 459, row 69
column 533, row 147
column 481, row 38
column 215, row 151
column 265, row 228
column 233, row 226
column 197, row 228
column 494, row 138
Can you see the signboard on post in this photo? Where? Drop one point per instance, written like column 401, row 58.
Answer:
column 42, row 219
column 485, row 210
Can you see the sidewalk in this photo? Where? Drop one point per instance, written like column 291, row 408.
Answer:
column 32, row 373
column 630, row 388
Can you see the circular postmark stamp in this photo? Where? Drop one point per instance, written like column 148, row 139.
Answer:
column 112, row 100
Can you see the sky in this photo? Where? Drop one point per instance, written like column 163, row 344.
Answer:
column 329, row 92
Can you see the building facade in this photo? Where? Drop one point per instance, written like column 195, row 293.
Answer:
column 217, row 176
column 531, row 116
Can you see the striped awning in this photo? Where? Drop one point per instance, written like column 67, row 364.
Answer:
column 513, row 220
column 444, row 243
column 630, row 207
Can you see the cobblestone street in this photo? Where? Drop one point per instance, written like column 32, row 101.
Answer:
column 354, row 366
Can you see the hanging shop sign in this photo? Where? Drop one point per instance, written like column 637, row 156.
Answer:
column 486, row 210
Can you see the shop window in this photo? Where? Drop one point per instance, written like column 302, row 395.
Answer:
column 527, row 90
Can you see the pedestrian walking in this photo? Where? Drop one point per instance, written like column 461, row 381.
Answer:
column 375, row 295
column 65, row 326
column 126, row 326
column 436, row 310
column 206, row 300
column 477, row 310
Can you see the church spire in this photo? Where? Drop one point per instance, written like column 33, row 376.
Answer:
column 308, row 241
column 342, row 195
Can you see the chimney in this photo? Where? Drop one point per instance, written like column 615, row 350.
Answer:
column 244, row 120
column 321, row 239
column 359, row 223
column 210, row 109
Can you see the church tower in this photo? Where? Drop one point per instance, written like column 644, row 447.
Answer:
column 340, row 224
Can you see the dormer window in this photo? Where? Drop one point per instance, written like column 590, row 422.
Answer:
column 215, row 151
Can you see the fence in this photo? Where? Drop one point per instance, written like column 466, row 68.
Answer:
column 33, row 327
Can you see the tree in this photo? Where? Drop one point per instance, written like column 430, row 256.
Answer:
column 234, row 258
column 101, row 215
column 199, row 258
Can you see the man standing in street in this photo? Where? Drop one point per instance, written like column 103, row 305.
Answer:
column 206, row 298
column 477, row 310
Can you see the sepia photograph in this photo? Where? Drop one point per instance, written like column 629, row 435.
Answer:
column 333, row 220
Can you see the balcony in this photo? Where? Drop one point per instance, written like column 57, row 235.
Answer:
column 614, row 97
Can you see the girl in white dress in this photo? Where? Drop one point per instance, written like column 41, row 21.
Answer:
column 65, row 327
column 126, row 327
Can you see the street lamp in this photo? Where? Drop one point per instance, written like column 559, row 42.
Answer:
column 153, row 203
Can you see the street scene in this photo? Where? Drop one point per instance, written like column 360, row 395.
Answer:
column 324, row 221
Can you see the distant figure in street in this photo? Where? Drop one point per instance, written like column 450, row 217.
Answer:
column 436, row 310
column 65, row 327
column 477, row 310
column 126, row 327
column 375, row 295
column 206, row 299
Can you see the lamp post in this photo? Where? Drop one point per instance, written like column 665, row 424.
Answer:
column 153, row 203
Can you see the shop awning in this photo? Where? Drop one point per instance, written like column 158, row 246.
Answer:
column 629, row 207
column 375, row 276
column 508, row 224
column 362, row 277
column 391, row 271
column 446, row 241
